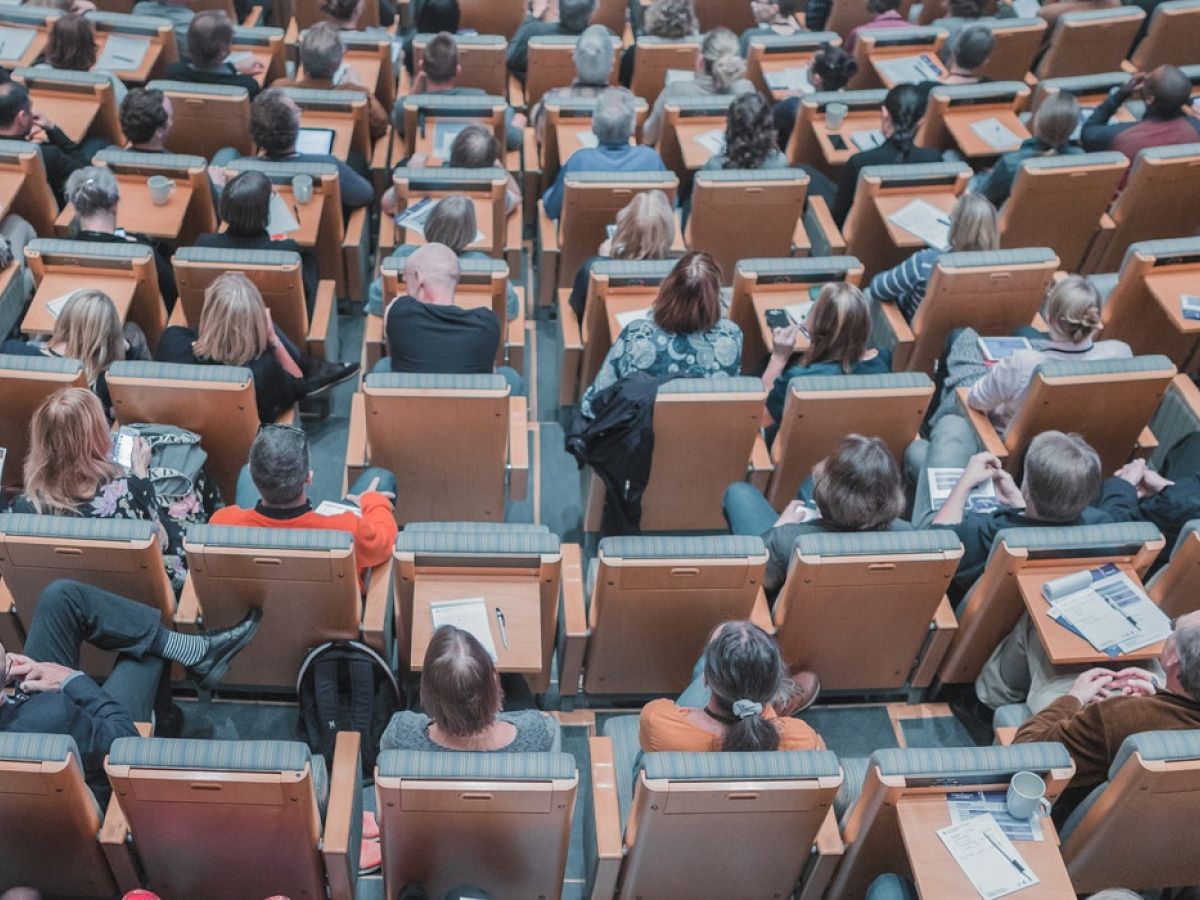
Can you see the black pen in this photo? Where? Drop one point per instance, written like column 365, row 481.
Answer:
column 1016, row 865
column 503, row 630
column 1116, row 606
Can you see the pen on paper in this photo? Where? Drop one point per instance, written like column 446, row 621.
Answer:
column 1016, row 865
column 1117, row 607
column 503, row 630
column 942, row 220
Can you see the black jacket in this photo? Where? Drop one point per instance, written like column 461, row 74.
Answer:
column 224, row 75
column 308, row 259
column 162, row 259
column 889, row 153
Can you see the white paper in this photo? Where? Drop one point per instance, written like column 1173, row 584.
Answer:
column 793, row 78
column 942, row 481
column 122, row 53
column 1190, row 304
column 55, row 306
column 633, row 315
column 1026, row 9
column 1108, row 609
column 587, row 138
column 713, row 141
column 909, row 69
column 315, row 140
column 329, row 508
column 965, row 805
column 799, row 311
column 282, row 220
column 239, row 56
column 14, row 42
column 444, row 134
column 998, row 348
column 922, row 219
column 1085, row 113
column 993, row 133
column 674, row 75
column 867, row 140
column 471, row 615
column 988, row 858
column 1092, row 616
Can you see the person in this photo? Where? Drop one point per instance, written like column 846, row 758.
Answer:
column 739, row 701
column 345, row 15
column 572, row 18
column 431, row 17
column 1072, row 312
column 94, row 193
column 1053, row 125
column 475, row 147
column 750, row 139
column 53, row 697
column 71, row 47
column 146, row 119
column 886, row 15
column 838, row 325
column 830, row 69
column 179, row 13
column 321, row 69
column 1053, row 11
column 461, row 702
column 719, row 70
column 973, row 228
column 612, row 124
column 684, row 336
column 770, row 17
column 970, row 51
column 245, row 208
column 670, row 19
column 70, row 472
column 645, row 229
column 857, row 487
column 1168, row 497
column 593, row 56
column 60, row 155
column 209, row 43
column 900, row 118
column 272, row 492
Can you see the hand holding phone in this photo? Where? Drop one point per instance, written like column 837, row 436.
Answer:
column 778, row 318
column 122, row 447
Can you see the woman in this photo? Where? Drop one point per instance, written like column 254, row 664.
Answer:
column 720, row 69
column 749, row 137
column 745, row 678
column 771, row 17
column 900, row 118
column 1072, row 311
column 94, row 193
column 462, row 699
column 973, row 227
column 645, row 230
column 671, row 20
column 829, row 70
column 72, row 47
column 684, row 337
column 1053, row 124
column 245, row 208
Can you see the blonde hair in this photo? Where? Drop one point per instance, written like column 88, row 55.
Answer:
column 973, row 225
column 645, row 227
column 69, row 443
column 722, row 58
column 1055, row 120
column 1073, row 309
column 89, row 327
column 233, row 323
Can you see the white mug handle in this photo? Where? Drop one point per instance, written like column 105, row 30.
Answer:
column 1043, row 808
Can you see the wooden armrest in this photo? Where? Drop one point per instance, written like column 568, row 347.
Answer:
column 8, row 606
column 761, row 465
column 823, row 219
column 344, row 807
column 982, row 426
column 374, row 343
column 548, row 251
column 1147, row 443
column 607, row 817
column 322, row 330
column 516, row 92
column 518, row 448
column 760, row 613
column 1185, row 388
column 829, row 849
column 942, row 630
column 253, row 18
column 188, row 613
column 572, row 353
column 801, row 245
column 829, row 838
column 377, row 607
column 1098, row 248
column 355, row 228
column 899, row 335
column 115, row 844
column 574, row 618
column 1005, row 735
column 356, row 440
column 144, row 729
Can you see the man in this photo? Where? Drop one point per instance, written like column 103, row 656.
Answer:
column 1169, row 498
column 210, row 41
column 887, row 15
column 612, row 124
column 178, row 12
column 272, row 492
column 1167, row 92
column 146, row 120
column 18, row 122
column 971, row 49
column 573, row 17
column 321, row 53
column 593, row 57
column 54, row 697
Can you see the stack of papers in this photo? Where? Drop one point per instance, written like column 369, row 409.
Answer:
column 122, row 54
column 413, row 218
column 967, row 805
column 329, row 508
column 1191, row 305
column 1107, row 609
column 922, row 219
column 1026, row 9
column 793, row 78
column 994, row 133
column 14, row 42
column 909, row 69
column 942, row 481
column 471, row 615
column 634, row 315
column 867, row 140
column 444, row 134
column 713, row 141
column 987, row 856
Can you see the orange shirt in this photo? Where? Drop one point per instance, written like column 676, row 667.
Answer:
column 664, row 726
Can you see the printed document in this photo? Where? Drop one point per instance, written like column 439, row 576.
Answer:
column 922, row 219
column 471, row 615
column 988, row 858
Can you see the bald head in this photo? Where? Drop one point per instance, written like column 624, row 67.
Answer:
column 431, row 274
column 1181, row 656
column 1167, row 90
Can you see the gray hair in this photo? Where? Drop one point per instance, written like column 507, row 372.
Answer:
column 279, row 463
column 613, row 120
column 1186, row 640
column 321, row 50
column 593, row 55
column 573, row 15
column 91, row 190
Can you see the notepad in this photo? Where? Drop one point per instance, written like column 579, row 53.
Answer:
column 281, row 220
column 122, row 53
column 793, row 78
column 867, row 140
column 1026, row 9
column 329, row 508
column 55, row 306
column 993, row 133
column 633, row 315
column 713, row 141
column 471, row 615
column 995, row 349
column 1190, row 304
column 444, row 134
column 909, row 69
column 988, row 858
column 14, row 42
column 922, row 219
column 674, row 75
column 413, row 218
column 942, row 481
column 587, row 138
column 965, row 805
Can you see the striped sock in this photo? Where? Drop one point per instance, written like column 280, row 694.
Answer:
column 185, row 649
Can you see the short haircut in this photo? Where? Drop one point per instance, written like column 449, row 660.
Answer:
column 439, row 62
column 1056, row 118
column 860, row 487
column 973, row 225
column 209, row 38
column 573, row 15
column 341, row 10
column 92, row 189
column 14, row 98
column 1186, row 640
column 1169, row 90
column 1062, row 476
column 475, row 147
column 279, row 463
column 973, row 46
column 321, row 51
column 438, row 15
column 834, row 66
column 689, row 299
column 143, row 112
column 72, row 44
column 613, row 118
column 452, row 223
column 1073, row 308
column 246, row 203
column 593, row 55
column 460, row 689
column 274, row 124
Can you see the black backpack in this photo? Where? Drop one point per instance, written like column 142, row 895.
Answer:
column 346, row 686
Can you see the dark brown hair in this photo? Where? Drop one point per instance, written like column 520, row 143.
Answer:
column 246, row 203
column 72, row 44
column 273, row 123
column 689, row 299
column 439, row 62
column 858, row 486
column 209, row 38
column 142, row 113
column 742, row 663
column 839, row 324
column 460, row 689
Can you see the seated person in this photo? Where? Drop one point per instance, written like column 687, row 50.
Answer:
column 750, row 139
column 321, row 69
column 970, row 51
column 72, row 48
column 51, row 695
column 900, row 120
column 829, row 70
column 593, row 56
column 245, row 208
column 857, row 487
column 886, row 15
column 94, row 193
column 431, row 17
column 60, row 155
column 1053, row 125
column 771, row 17
column 546, row 18
column 645, row 229
column 684, row 337
column 272, row 492
column 1170, row 497
column 345, row 15
column 973, row 228
column 461, row 702
column 146, row 120
column 741, row 700
column 178, row 12
column 670, row 19
column 613, row 124
column 209, row 43
column 838, row 326
column 475, row 147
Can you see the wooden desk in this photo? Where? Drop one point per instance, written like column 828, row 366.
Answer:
column 261, row 54
column 137, row 213
column 856, row 120
column 11, row 181
column 307, row 214
column 517, row 597
column 142, row 72
column 73, row 113
column 959, row 121
column 886, row 53
column 764, row 300
column 1063, row 646
column 939, row 877
column 1167, row 287
column 341, row 124
column 33, row 51
column 768, row 64
column 38, row 320
column 367, row 66
column 695, row 154
column 887, row 204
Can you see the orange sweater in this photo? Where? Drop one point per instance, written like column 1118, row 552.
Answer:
column 664, row 726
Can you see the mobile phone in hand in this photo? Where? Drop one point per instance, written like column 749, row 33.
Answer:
column 778, row 318
column 122, row 448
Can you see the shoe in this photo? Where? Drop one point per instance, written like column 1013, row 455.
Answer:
column 370, row 826
column 798, row 693
column 223, row 646
column 326, row 374
column 370, row 857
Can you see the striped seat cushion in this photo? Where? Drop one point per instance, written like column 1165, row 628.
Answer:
column 269, row 538
column 160, row 371
column 968, row 763
column 854, row 773
column 497, row 542
column 33, row 747
column 782, row 765
column 719, row 546
column 453, row 765
column 76, row 527
column 1012, row 715
column 428, row 381
column 204, row 755
column 1158, row 746
column 870, row 543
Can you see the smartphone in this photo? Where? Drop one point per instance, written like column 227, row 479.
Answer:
column 778, row 318
column 837, row 141
column 122, row 448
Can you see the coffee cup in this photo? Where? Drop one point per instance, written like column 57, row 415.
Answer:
column 835, row 114
column 1026, row 798
column 160, row 189
column 302, row 188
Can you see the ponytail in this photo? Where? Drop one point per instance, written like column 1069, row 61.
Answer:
column 722, row 59
column 905, row 104
column 750, row 733
column 744, row 671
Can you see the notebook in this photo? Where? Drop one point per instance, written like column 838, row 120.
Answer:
column 122, row 53
column 471, row 615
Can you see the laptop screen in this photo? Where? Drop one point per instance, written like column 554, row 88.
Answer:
column 315, row 140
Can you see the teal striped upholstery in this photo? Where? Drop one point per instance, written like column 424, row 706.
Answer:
column 656, row 269
column 470, row 40
column 872, row 99
column 1062, row 369
column 588, row 104
column 871, row 543
column 10, row 151
column 1103, row 282
column 657, row 179
column 733, row 176
column 476, row 527
column 717, row 104
column 125, row 23
column 623, row 730
column 310, row 98
column 1086, row 84
column 718, row 546
column 854, row 773
column 88, row 249
column 1176, row 151
column 1069, row 540
column 1070, row 161
column 179, row 372
column 283, row 172
column 1190, row 527
column 1096, row 15
column 450, row 103
column 894, row 381
column 75, row 527
column 460, row 764
column 981, row 258
column 554, row 40
column 269, row 538
column 116, row 158
column 30, row 15
column 13, row 363
column 720, row 385
column 1157, row 746
column 955, row 23
column 653, row 39
column 911, row 35
column 371, row 39
column 1186, row 246
column 987, row 90
column 447, row 176
column 33, row 77
column 781, row 765
column 829, row 268
column 467, row 266
column 18, row 746
column 426, row 381
column 1012, row 715
column 494, row 542
column 917, row 173
column 259, row 35
column 1172, row 421
column 805, row 40
column 207, row 755
column 948, row 764
column 1172, row 5
column 190, row 87
column 237, row 257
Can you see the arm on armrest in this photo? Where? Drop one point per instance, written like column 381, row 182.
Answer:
column 188, row 613
column 518, row 448
column 985, row 432
column 114, row 842
column 322, row 330
column 607, row 817
column 377, row 608
column 761, row 466
column 820, row 218
column 572, row 358
column 941, row 633
column 574, row 619
column 343, row 817
column 356, row 440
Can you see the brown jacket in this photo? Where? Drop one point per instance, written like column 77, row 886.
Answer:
column 376, row 114
column 1093, row 733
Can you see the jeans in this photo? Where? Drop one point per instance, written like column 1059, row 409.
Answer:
column 747, row 510
column 950, row 446
column 247, row 495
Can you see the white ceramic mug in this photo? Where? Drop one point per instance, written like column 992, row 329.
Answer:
column 1026, row 798
column 835, row 114
column 302, row 188
column 160, row 189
